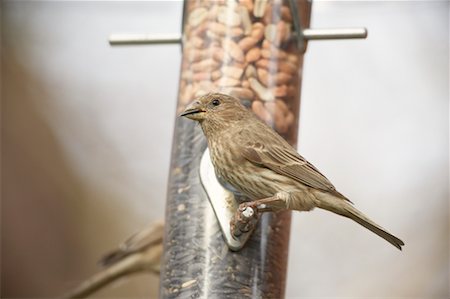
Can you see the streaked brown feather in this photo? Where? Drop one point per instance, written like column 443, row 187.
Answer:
column 282, row 158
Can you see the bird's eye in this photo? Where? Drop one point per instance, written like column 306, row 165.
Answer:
column 215, row 102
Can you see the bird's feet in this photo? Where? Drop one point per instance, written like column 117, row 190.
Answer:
column 244, row 219
column 248, row 213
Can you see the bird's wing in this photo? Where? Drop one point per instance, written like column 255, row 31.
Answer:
column 280, row 157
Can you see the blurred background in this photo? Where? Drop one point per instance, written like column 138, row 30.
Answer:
column 87, row 131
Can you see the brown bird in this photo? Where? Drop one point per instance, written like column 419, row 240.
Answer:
column 258, row 162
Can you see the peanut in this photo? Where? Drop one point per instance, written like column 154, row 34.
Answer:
column 234, row 50
column 205, row 65
column 197, row 16
column 273, row 53
column 216, row 75
column 261, row 112
column 197, row 42
column 242, row 93
column 236, row 32
column 257, row 31
column 263, row 76
column 283, row 65
column 248, row 4
column 218, row 28
column 272, row 34
column 232, row 71
column 226, row 81
column 259, row 8
column 262, row 92
column 201, row 76
column 250, row 71
column 286, row 14
column 279, row 115
column 280, row 91
column 227, row 16
column 246, row 21
column 247, row 42
column 285, row 30
column 253, row 55
column 282, row 78
column 272, row 13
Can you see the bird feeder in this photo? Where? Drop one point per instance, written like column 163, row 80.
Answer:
column 247, row 50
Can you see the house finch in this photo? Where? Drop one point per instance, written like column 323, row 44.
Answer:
column 140, row 253
column 258, row 162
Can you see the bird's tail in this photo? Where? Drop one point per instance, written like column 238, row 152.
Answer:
column 346, row 209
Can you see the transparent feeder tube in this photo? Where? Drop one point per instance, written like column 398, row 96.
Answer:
column 246, row 49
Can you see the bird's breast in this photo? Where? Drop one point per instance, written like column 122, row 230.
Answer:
column 254, row 181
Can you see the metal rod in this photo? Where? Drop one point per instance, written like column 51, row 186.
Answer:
column 297, row 27
column 147, row 39
column 338, row 33
column 308, row 34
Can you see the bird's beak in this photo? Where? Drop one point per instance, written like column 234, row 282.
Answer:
column 194, row 111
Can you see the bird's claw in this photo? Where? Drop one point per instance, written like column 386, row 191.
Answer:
column 244, row 219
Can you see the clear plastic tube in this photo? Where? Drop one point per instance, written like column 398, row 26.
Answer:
column 245, row 48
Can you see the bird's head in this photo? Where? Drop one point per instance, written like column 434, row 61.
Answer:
column 215, row 107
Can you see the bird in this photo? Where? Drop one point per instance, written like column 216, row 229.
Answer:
column 142, row 252
column 255, row 160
